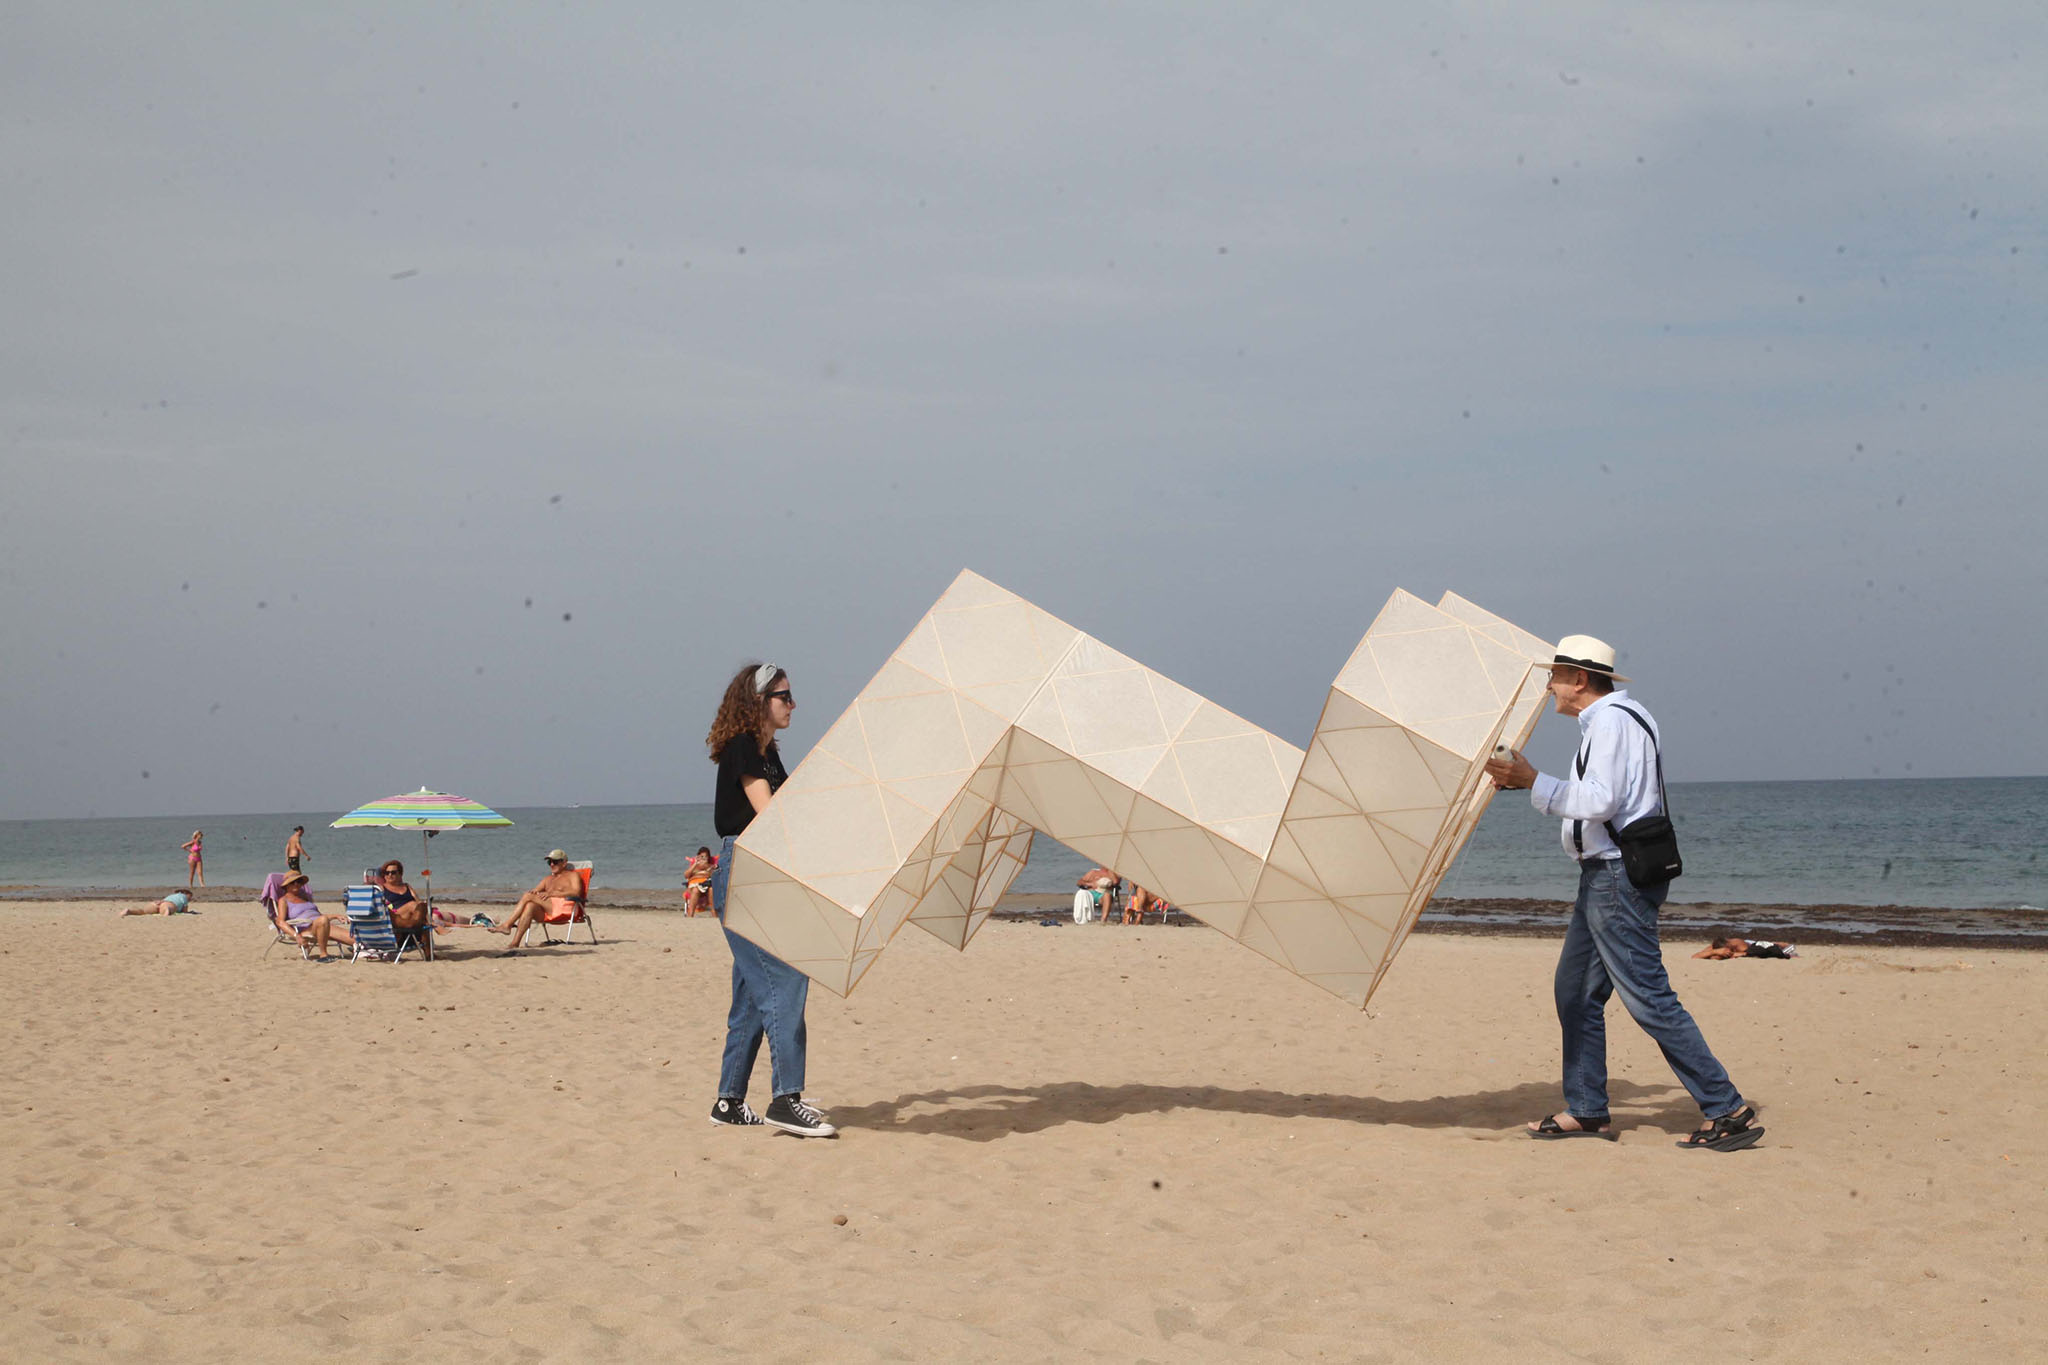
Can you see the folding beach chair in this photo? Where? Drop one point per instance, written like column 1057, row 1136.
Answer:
column 571, row 918
column 369, row 924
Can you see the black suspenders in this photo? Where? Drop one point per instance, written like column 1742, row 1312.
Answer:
column 1579, row 826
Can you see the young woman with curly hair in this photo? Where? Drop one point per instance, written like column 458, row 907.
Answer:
column 768, row 995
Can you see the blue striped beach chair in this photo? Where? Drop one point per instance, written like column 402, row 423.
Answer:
column 369, row 924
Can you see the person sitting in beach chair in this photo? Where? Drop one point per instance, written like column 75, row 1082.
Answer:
column 1143, row 903
column 298, row 918
column 697, row 887
column 177, row 903
column 1102, row 887
column 408, row 911
column 557, row 898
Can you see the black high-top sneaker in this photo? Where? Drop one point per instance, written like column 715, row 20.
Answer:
column 734, row 1112
column 792, row 1115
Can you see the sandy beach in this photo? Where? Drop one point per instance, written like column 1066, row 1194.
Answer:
column 1122, row 1144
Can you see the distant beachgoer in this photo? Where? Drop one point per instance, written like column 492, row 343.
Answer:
column 177, row 903
column 561, row 889
column 1104, row 885
column 1721, row 949
column 295, row 847
column 1611, row 943
column 195, row 859
column 697, row 885
column 768, row 995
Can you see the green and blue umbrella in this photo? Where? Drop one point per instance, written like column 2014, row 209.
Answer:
column 426, row 811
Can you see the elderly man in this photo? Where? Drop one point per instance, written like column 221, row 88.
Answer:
column 1611, row 945
column 561, row 889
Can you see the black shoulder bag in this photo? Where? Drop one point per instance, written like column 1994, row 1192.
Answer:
column 1649, row 846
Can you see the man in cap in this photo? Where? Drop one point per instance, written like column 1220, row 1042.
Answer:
column 561, row 889
column 1612, row 944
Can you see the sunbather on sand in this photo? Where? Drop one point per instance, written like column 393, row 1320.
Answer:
column 177, row 903
column 561, row 889
column 1721, row 949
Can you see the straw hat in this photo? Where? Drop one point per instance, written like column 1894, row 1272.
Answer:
column 291, row 879
column 1583, row 651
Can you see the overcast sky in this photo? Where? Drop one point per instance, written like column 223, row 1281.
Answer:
column 393, row 397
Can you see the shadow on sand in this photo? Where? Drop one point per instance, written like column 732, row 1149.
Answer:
column 984, row 1113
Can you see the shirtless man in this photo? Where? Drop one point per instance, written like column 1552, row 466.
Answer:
column 1105, row 884
column 295, row 847
column 562, row 884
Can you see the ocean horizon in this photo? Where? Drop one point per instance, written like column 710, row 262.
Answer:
column 1952, row 843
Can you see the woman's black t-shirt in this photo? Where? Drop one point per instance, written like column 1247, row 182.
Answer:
column 741, row 759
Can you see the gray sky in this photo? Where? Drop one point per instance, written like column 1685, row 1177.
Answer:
column 1714, row 330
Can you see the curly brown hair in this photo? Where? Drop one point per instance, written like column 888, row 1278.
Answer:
column 742, row 711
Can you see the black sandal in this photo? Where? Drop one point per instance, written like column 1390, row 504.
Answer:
column 1729, row 1133
column 1592, row 1126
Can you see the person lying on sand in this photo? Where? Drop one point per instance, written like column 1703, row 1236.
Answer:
column 561, row 889
column 1721, row 949
column 177, row 903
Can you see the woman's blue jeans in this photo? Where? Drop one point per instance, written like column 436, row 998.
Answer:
column 768, row 997
column 1611, row 947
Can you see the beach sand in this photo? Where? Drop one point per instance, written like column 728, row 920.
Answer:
column 1124, row 1144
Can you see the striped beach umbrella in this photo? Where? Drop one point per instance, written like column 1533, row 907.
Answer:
column 426, row 811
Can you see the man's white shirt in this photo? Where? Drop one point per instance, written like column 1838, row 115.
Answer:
column 1620, row 781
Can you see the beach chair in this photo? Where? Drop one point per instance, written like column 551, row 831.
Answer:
column 571, row 918
column 369, row 924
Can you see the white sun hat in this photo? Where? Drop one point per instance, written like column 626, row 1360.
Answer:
column 1583, row 651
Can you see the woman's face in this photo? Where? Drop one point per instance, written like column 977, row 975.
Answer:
column 781, row 703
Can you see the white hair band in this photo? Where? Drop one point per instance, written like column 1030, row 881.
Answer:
column 764, row 675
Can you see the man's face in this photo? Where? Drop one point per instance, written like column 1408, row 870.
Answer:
column 1568, row 686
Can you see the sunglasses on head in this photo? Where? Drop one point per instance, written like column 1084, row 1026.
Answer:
column 782, row 696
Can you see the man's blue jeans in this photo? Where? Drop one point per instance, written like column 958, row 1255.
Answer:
column 1612, row 947
column 768, row 997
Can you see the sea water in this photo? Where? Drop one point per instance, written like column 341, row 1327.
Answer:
column 1965, row 843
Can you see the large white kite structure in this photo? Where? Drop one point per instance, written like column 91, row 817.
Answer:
column 995, row 719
